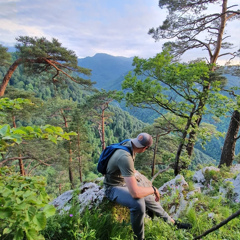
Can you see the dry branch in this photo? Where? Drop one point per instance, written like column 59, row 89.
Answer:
column 219, row 225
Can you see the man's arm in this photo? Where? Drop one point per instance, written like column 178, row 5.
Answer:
column 140, row 192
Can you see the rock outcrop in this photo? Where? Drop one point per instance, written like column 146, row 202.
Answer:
column 177, row 189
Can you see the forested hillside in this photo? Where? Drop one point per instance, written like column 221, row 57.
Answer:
column 51, row 105
column 109, row 72
column 107, row 69
column 107, row 78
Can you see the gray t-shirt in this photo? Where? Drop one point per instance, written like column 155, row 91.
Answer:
column 120, row 165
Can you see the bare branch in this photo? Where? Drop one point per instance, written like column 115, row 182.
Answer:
column 162, row 170
column 219, row 225
column 58, row 69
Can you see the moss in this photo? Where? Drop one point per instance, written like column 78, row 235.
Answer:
column 119, row 213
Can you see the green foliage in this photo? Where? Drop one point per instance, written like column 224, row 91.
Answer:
column 10, row 136
column 92, row 224
column 237, row 158
column 186, row 18
column 180, row 89
column 23, row 206
column 158, row 229
column 5, row 56
column 65, row 61
column 7, row 104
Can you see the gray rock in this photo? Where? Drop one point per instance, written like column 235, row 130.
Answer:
column 62, row 201
column 211, row 215
column 236, row 187
column 192, row 193
column 142, row 180
column 176, row 184
column 91, row 196
column 235, row 168
column 199, row 175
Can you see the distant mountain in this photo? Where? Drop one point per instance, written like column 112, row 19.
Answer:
column 11, row 49
column 106, row 69
column 108, row 72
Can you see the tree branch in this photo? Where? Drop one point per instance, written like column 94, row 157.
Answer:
column 59, row 70
column 219, row 225
column 14, row 158
column 161, row 171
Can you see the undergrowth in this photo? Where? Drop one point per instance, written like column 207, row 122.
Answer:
column 111, row 222
column 101, row 224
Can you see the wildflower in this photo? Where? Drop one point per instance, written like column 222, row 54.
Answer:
column 71, row 215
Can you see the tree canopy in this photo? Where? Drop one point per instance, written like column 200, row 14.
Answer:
column 190, row 26
column 48, row 58
column 164, row 86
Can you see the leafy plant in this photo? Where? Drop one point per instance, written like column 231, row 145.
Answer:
column 23, row 206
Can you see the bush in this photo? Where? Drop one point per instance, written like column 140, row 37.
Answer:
column 24, row 206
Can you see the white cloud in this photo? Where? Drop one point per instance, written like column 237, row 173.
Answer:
column 116, row 27
column 87, row 27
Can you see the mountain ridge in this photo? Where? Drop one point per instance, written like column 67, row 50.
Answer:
column 106, row 69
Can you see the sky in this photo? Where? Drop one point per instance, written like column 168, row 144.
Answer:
column 115, row 27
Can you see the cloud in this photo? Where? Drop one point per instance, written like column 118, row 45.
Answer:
column 87, row 27
column 116, row 27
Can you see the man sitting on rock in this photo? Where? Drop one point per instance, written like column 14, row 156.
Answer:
column 121, row 186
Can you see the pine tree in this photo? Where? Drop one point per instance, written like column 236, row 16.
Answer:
column 42, row 57
column 186, row 23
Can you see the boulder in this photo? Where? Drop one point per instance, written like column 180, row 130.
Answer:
column 176, row 184
column 63, row 202
column 91, row 194
column 236, row 187
column 235, row 168
column 198, row 176
column 142, row 180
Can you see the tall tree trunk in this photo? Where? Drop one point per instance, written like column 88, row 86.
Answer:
column 8, row 76
column 154, row 155
column 79, row 158
column 228, row 151
column 70, row 169
column 213, row 60
column 192, row 134
column 215, row 55
column 20, row 161
column 177, row 168
column 103, row 131
column 21, row 166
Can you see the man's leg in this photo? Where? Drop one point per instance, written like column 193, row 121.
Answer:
column 156, row 208
column 137, row 208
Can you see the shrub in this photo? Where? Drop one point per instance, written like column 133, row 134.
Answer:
column 23, row 206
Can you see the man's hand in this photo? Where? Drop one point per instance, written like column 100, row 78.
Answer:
column 157, row 195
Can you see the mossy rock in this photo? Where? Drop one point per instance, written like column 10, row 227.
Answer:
column 119, row 213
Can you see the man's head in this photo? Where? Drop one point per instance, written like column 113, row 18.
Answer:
column 143, row 140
